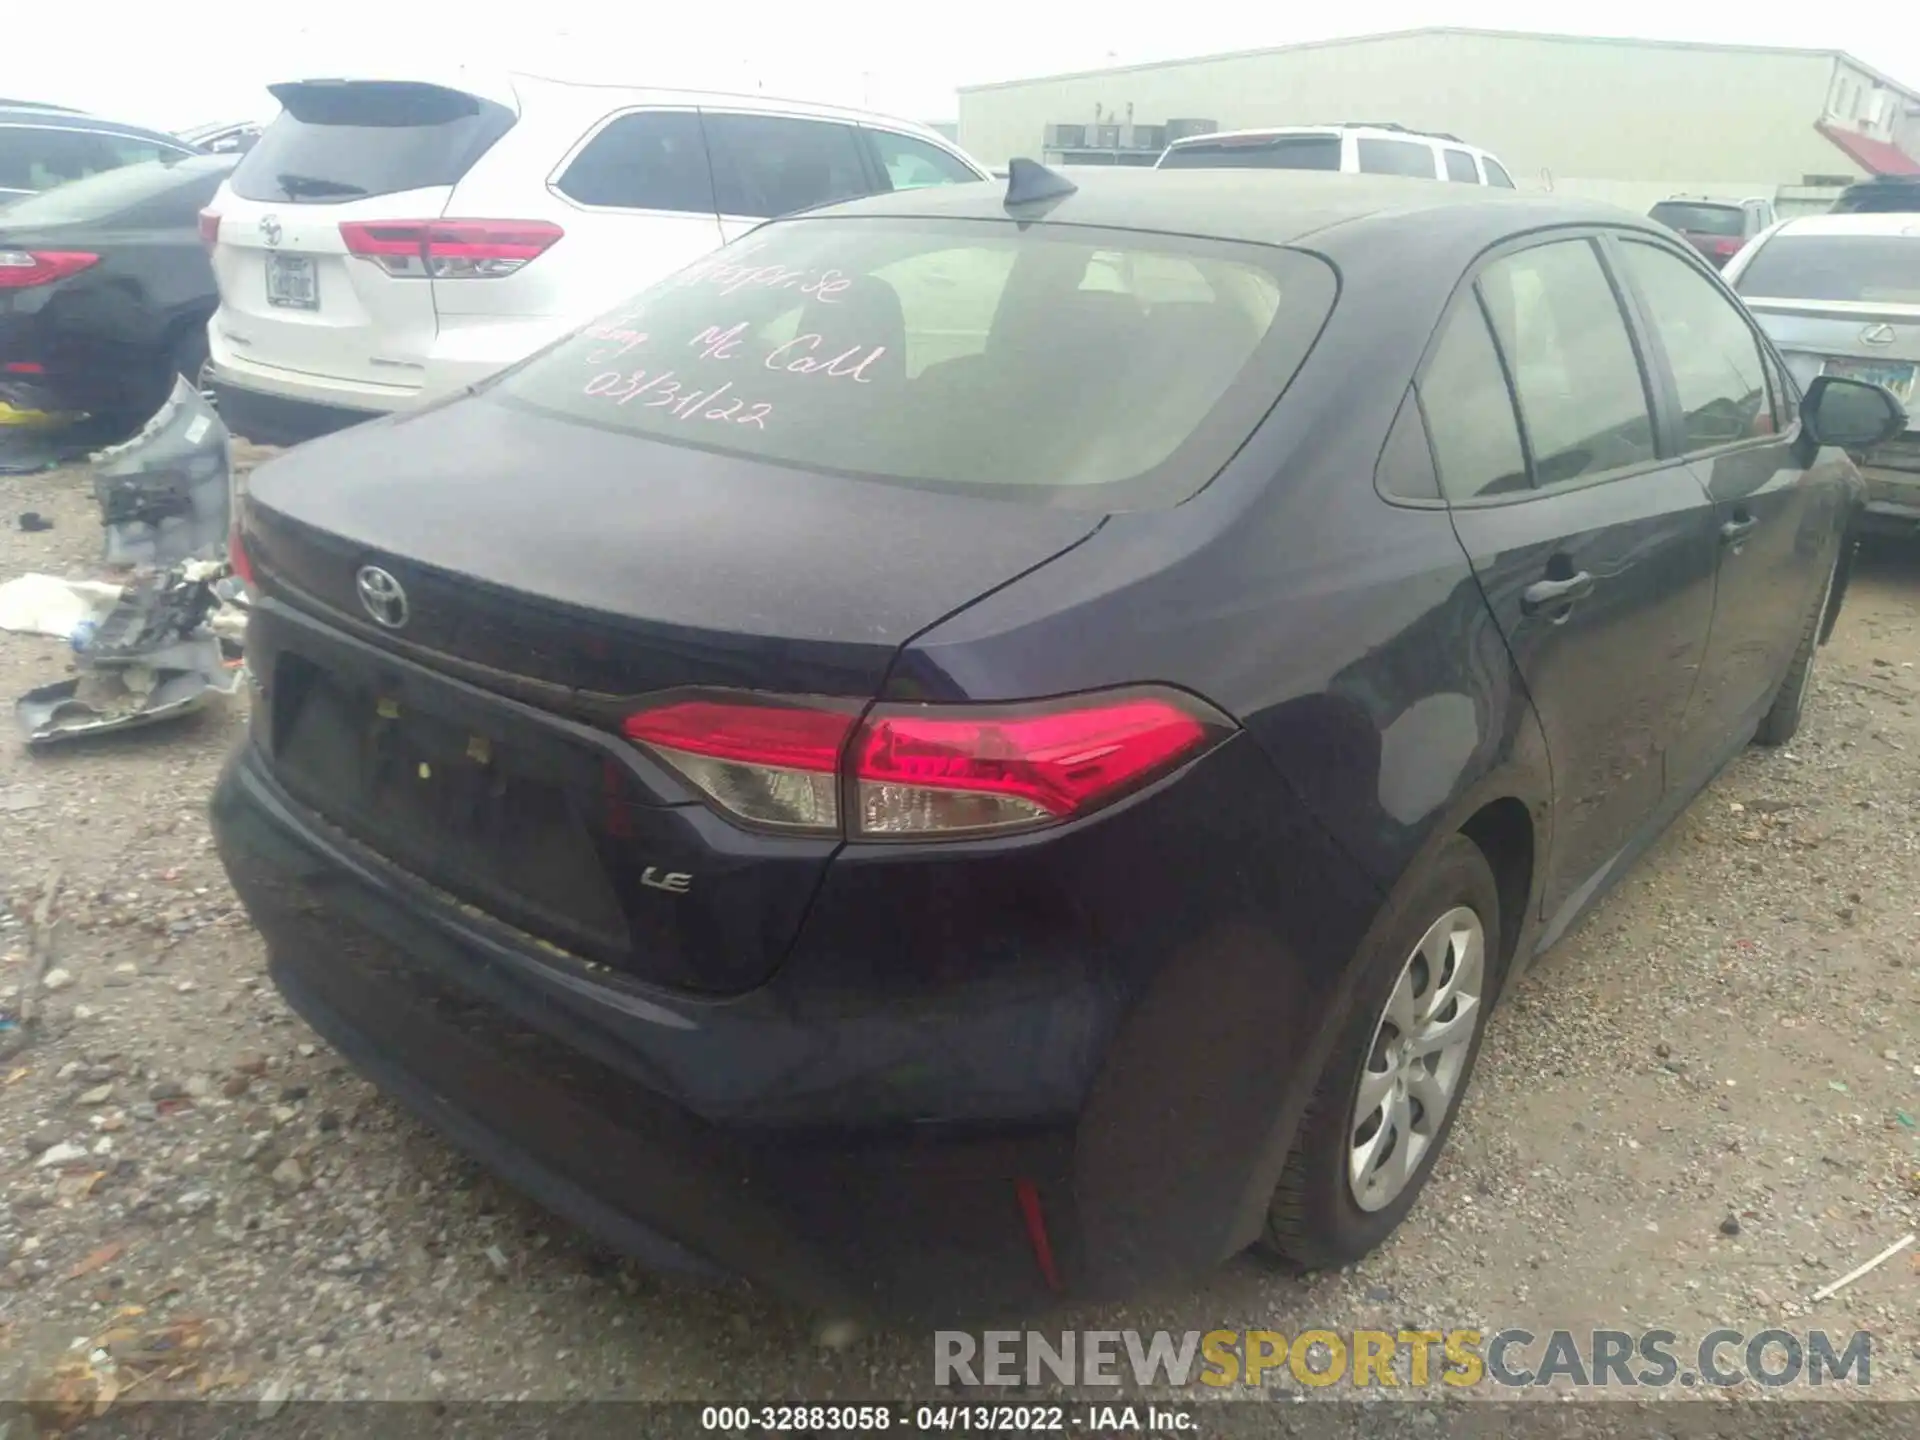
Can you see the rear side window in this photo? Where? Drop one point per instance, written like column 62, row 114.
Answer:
column 1583, row 402
column 765, row 165
column 1460, row 167
column 1396, row 157
column 1469, row 411
column 160, row 191
column 1727, row 220
column 649, row 160
column 1713, row 354
column 912, row 164
column 1496, row 173
column 1064, row 366
column 1858, row 268
column 335, row 142
column 37, row 157
column 1257, row 152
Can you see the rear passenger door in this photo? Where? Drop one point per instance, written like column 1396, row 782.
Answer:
column 1739, row 432
column 1596, row 554
column 768, row 165
column 640, row 192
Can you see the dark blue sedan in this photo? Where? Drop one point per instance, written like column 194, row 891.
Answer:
column 998, row 743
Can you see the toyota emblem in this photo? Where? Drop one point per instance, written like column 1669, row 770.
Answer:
column 381, row 596
column 270, row 228
column 1877, row 334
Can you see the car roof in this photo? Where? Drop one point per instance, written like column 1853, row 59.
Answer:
column 1266, row 207
column 36, row 117
column 1893, row 222
column 514, row 88
column 1370, row 132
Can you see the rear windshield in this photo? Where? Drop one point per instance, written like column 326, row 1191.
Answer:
column 1061, row 365
column 1700, row 219
column 335, row 142
column 112, row 192
column 1865, row 268
column 1257, row 152
column 1884, row 197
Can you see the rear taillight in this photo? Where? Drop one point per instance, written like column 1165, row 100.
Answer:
column 209, row 228
column 1726, row 246
column 924, row 771
column 21, row 269
column 237, row 557
column 449, row 249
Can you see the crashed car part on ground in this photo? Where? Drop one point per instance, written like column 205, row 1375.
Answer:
column 127, row 697
column 166, row 494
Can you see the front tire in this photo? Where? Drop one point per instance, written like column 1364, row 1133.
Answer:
column 1782, row 722
column 1395, row 1080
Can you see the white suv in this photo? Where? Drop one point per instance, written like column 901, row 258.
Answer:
column 387, row 242
column 1349, row 149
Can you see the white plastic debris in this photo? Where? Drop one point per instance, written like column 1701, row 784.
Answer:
column 48, row 605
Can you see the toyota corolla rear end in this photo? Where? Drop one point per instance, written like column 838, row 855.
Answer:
column 597, row 803
column 1840, row 295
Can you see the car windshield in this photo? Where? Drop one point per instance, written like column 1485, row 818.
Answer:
column 93, row 197
column 1257, row 152
column 1056, row 364
column 1865, row 269
column 1700, row 219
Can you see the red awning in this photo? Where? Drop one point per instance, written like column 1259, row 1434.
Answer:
column 1876, row 157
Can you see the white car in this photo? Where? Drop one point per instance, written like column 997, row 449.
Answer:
column 1840, row 295
column 388, row 242
column 1348, row 149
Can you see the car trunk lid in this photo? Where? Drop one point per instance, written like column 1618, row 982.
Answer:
column 553, row 574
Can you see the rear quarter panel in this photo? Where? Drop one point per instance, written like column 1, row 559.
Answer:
column 1350, row 639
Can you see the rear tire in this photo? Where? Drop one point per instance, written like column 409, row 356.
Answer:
column 1349, row 1182
column 1782, row 721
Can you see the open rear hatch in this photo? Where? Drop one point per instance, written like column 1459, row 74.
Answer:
column 496, row 590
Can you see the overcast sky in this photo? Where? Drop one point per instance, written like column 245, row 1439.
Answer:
column 898, row 57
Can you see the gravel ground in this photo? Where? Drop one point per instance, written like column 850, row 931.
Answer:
column 1698, row 1110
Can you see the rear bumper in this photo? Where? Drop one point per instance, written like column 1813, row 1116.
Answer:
column 45, row 366
column 271, row 419
column 912, row 1223
column 1127, row 1028
column 1893, row 501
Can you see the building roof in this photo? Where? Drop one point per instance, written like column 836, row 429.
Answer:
column 1263, row 207
column 1876, row 157
column 1705, row 45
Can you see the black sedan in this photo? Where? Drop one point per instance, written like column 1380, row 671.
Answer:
column 106, row 290
column 979, row 746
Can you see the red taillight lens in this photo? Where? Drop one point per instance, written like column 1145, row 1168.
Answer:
column 209, row 228
column 237, row 556
column 21, row 269
column 929, row 771
column 925, row 771
column 449, row 249
column 1726, row 247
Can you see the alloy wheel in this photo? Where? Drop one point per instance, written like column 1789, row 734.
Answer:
column 1418, row 1058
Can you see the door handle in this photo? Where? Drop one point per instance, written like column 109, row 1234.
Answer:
column 1545, row 594
column 1737, row 529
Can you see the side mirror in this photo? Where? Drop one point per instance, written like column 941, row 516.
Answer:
column 1852, row 414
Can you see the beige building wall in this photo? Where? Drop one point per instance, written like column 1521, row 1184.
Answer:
column 1625, row 121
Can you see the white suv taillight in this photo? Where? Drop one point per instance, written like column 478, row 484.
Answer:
column 449, row 249
column 924, row 771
